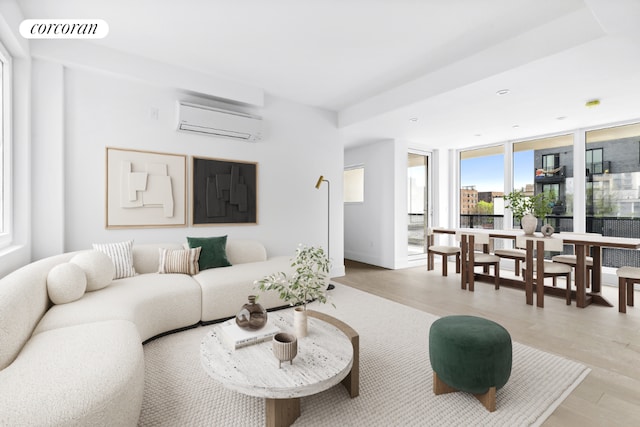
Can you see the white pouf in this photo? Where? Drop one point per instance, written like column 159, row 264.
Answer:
column 98, row 268
column 66, row 283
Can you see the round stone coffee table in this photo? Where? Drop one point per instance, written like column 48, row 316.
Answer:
column 324, row 359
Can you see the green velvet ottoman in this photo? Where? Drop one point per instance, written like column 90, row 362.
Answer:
column 470, row 354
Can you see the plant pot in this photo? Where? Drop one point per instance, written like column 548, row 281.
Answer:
column 285, row 348
column 300, row 322
column 529, row 224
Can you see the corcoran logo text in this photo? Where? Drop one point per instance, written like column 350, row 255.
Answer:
column 64, row 28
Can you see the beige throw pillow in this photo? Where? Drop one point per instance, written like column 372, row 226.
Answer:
column 183, row 261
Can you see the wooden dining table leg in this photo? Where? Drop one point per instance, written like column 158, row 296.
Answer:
column 540, row 274
column 596, row 271
column 581, row 274
column 528, row 277
column 463, row 259
column 470, row 272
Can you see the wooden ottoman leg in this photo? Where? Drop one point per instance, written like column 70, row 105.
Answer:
column 630, row 293
column 444, row 265
column 440, row 387
column 488, row 399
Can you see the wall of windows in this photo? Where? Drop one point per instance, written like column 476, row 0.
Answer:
column 610, row 201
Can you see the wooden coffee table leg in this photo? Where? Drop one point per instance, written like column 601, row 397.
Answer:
column 281, row 412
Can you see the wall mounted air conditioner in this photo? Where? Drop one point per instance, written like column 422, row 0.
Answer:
column 217, row 122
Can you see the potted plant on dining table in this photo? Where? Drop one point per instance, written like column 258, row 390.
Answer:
column 528, row 209
column 307, row 283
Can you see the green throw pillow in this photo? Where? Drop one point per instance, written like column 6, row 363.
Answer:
column 214, row 251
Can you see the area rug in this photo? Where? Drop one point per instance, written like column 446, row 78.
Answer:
column 395, row 379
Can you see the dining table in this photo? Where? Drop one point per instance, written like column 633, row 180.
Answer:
column 587, row 244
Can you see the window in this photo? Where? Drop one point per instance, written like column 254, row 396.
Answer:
column 481, row 183
column 593, row 161
column 354, row 184
column 545, row 165
column 550, row 161
column 612, row 188
column 5, row 147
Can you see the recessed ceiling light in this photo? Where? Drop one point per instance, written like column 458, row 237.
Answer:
column 413, row 119
column 502, row 92
column 478, row 134
column 561, row 118
column 516, row 126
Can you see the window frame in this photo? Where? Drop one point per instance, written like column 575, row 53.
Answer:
column 6, row 143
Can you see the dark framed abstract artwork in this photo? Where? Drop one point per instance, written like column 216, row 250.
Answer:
column 224, row 192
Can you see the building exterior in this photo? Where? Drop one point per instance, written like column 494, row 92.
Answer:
column 468, row 200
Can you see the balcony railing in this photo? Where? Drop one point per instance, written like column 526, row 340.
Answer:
column 598, row 168
column 550, row 175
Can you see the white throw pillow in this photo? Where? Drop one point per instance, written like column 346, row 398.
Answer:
column 66, row 283
column 98, row 268
column 121, row 255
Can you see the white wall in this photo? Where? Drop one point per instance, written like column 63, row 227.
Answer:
column 101, row 109
column 19, row 252
column 376, row 230
column 47, row 162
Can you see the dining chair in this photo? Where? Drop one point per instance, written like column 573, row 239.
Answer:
column 570, row 259
column 471, row 258
column 443, row 250
column 518, row 255
column 627, row 277
column 549, row 268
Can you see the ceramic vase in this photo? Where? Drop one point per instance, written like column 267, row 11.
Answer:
column 285, row 348
column 529, row 224
column 300, row 322
column 547, row 230
column 252, row 316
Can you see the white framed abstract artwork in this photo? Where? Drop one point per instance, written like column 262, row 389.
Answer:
column 145, row 189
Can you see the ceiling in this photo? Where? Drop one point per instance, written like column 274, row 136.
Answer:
column 381, row 63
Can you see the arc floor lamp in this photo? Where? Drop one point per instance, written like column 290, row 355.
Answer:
column 318, row 184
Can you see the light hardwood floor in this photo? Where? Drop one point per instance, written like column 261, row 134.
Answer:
column 606, row 341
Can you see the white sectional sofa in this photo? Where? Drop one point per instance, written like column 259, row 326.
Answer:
column 81, row 363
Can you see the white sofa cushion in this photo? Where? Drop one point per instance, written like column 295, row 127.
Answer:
column 241, row 251
column 66, row 282
column 145, row 256
column 225, row 289
column 155, row 303
column 97, row 267
column 85, row 375
column 23, row 301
